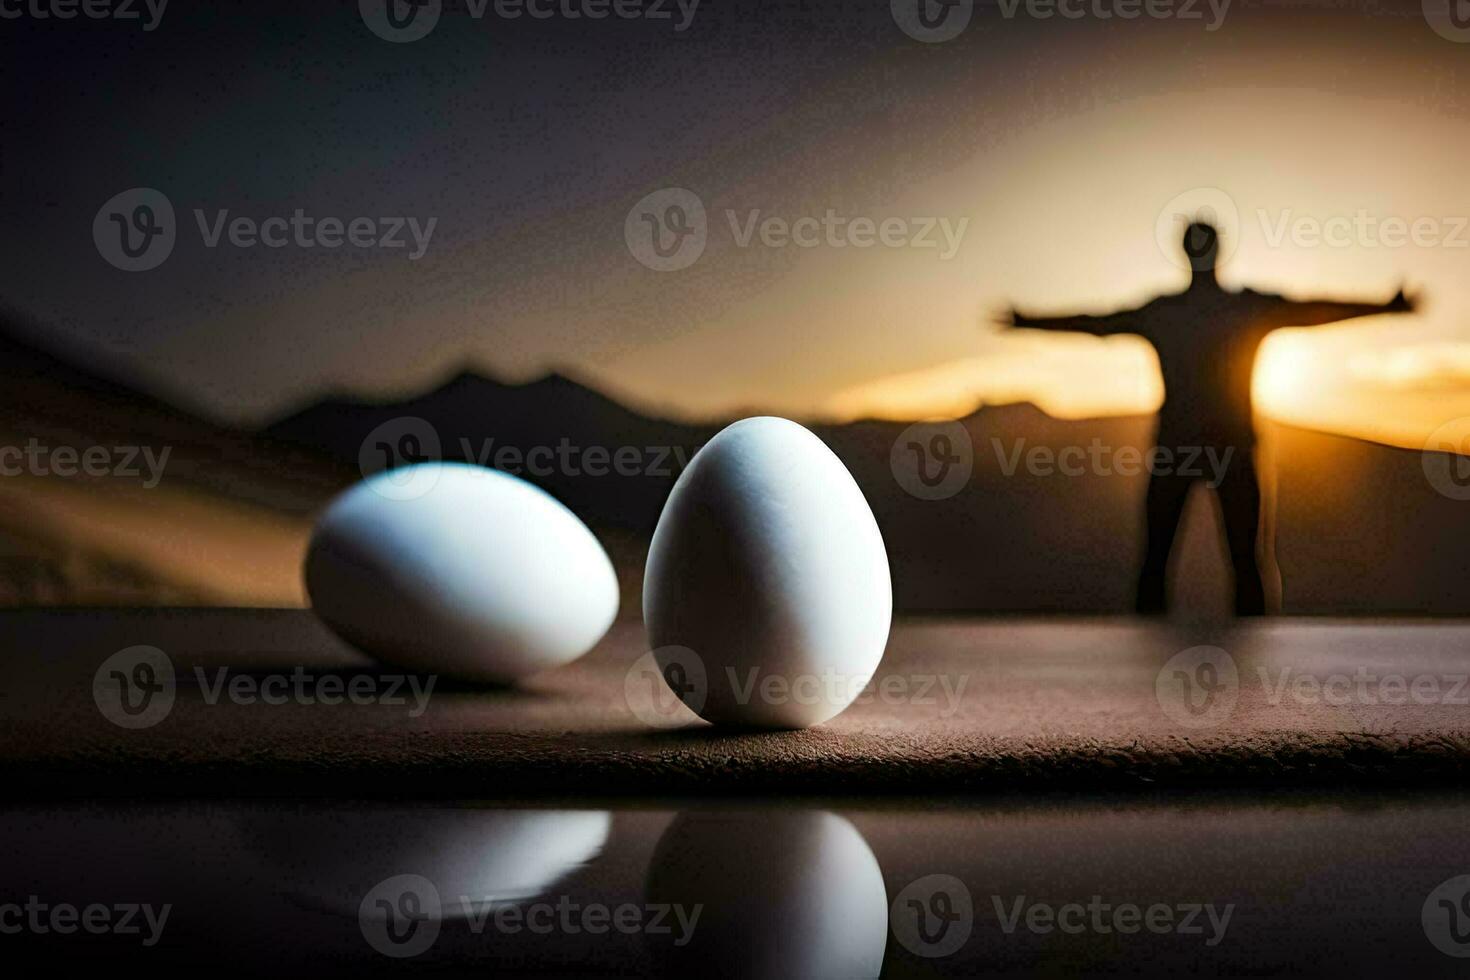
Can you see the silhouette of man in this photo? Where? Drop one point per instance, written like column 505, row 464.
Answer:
column 1206, row 338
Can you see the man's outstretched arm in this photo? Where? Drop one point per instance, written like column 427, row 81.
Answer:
column 1124, row 321
column 1311, row 313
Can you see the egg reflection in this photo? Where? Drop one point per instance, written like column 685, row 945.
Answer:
column 331, row 859
column 785, row 894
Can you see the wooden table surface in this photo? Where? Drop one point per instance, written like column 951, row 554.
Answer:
column 971, row 705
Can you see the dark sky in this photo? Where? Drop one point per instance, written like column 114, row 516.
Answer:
column 527, row 141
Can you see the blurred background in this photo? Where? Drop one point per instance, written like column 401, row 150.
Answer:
column 253, row 251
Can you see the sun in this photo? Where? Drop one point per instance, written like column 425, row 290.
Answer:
column 1280, row 384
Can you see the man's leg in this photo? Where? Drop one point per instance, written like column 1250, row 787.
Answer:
column 1240, row 506
column 1163, row 507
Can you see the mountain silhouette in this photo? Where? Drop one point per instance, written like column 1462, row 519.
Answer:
column 986, row 547
column 1359, row 528
column 223, row 525
column 474, row 418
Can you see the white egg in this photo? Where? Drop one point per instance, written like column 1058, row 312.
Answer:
column 460, row 570
column 331, row 856
column 767, row 596
column 779, row 893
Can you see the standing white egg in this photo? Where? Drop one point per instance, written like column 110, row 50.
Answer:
column 475, row 574
column 767, row 595
column 780, row 892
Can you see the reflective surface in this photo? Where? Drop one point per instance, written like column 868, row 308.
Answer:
column 1222, row 886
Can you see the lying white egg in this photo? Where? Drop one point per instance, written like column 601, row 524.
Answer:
column 767, row 596
column 332, row 855
column 472, row 573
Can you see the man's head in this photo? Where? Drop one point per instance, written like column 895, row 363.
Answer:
column 1202, row 246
